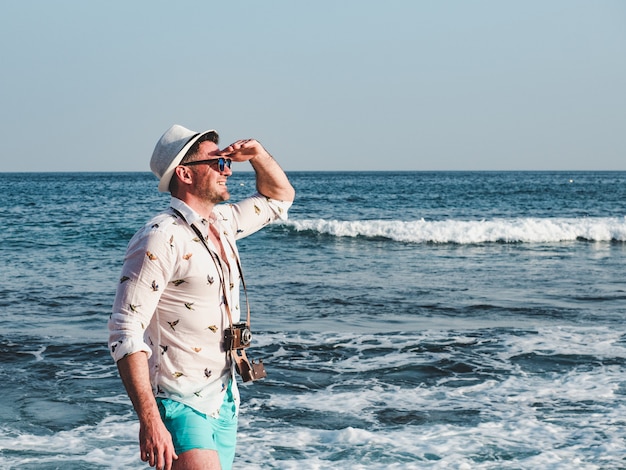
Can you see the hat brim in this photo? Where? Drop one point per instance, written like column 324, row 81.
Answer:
column 164, row 182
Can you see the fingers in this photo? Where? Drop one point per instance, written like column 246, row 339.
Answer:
column 161, row 459
column 242, row 148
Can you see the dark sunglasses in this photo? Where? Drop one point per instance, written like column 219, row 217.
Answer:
column 221, row 162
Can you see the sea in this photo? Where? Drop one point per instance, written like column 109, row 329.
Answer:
column 407, row 320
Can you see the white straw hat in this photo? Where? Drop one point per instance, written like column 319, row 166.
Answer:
column 170, row 150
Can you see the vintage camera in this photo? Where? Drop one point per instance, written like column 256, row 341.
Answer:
column 237, row 337
column 250, row 370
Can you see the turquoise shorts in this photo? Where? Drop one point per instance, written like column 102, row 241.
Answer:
column 191, row 429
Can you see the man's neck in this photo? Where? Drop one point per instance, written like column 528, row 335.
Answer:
column 201, row 207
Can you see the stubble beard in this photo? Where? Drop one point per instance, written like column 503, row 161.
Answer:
column 215, row 197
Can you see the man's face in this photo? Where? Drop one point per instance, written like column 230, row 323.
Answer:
column 209, row 182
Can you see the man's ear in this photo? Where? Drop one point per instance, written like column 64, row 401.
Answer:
column 182, row 177
column 184, row 174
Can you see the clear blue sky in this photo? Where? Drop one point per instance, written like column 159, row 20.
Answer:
column 324, row 85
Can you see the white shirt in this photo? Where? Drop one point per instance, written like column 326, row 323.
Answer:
column 170, row 302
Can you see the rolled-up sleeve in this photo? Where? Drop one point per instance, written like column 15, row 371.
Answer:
column 255, row 212
column 145, row 273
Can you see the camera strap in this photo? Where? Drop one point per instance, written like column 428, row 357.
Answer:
column 246, row 369
column 220, row 269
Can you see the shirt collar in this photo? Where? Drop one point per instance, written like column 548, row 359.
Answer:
column 191, row 216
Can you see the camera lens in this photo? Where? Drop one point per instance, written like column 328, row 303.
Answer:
column 246, row 336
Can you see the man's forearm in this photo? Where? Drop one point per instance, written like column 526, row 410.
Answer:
column 155, row 441
column 271, row 180
column 135, row 375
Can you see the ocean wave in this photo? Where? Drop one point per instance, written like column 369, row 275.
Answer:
column 514, row 230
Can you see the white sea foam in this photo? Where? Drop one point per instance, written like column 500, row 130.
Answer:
column 38, row 353
column 558, row 418
column 599, row 342
column 107, row 444
column 569, row 417
column 527, row 230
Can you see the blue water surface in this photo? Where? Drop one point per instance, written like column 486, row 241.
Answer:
column 428, row 320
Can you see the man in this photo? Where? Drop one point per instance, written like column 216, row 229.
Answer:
column 179, row 291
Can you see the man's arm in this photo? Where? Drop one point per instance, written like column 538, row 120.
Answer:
column 271, row 180
column 155, row 442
